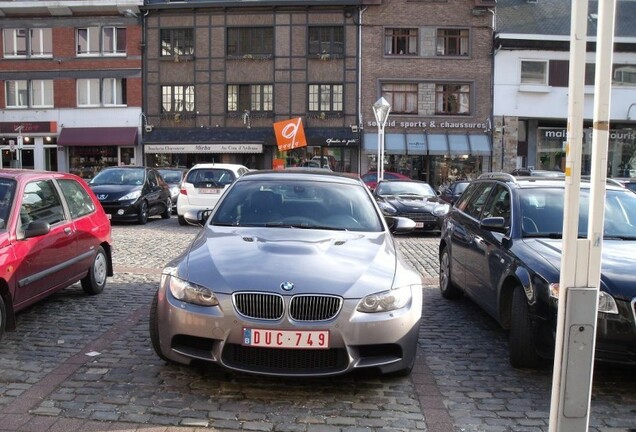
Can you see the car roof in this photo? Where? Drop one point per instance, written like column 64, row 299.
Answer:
column 218, row 165
column 28, row 173
column 537, row 181
column 301, row 173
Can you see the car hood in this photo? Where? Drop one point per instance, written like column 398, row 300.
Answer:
column 316, row 261
column 114, row 191
column 413, row 203
column 617, row 276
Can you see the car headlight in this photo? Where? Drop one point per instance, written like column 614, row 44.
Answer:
column 387, row 208
column 606, row 302
column 189, row 292
column 131, row 196
column 441, row 210
column 385, row 301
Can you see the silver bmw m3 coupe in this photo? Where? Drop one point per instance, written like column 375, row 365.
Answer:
column 293, row 273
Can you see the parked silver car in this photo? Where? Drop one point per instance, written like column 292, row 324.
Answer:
column 294, row 273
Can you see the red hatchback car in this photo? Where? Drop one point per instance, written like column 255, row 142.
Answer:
column 53, row 233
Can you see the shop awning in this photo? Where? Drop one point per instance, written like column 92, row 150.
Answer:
column 480, row 145
column 416, row 144
column 393, row 143
column 437, row 144
column 98, row 136
column 458, row 144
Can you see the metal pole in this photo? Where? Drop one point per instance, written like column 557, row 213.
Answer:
column 380, row 133
column 381, row 175
column 578, row 296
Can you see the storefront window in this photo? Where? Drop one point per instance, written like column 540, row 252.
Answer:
column 86, row 161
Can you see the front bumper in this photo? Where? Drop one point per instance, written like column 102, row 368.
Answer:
column 122, row 211
column 385, row 341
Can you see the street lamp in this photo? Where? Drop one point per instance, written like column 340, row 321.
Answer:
column 381, row 110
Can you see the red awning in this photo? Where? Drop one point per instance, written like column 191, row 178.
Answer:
column 98, row 136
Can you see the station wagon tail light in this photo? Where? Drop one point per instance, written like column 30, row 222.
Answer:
column 183, row 191
column 606, row 302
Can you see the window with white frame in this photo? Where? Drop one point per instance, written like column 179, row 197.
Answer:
column 400, row 41
column 42, row 93
column 534, row 72
column 250, row 97
column 16, row 92
column 35, row 42
column 177, row 98
column 401, row 96
column 325, row 97
column 114, row 91
column 87, row 41
column 452, row 99
column 114, row 40
column 88, row 92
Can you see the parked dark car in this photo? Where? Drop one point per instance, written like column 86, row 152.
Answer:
column 413, row 199
column 53, row 233
column 626, row 182
column 501, row 246
column 525, row 172
column 294, row 273
column 132, row 193
column 174, row 177
column 371, row 178
column 454, row 191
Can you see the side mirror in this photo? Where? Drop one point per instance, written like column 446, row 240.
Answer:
column 497, row 224
column 197, row 217
column 36, row 229
column 400, row 225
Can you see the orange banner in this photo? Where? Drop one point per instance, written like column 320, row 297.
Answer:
column 290, row 134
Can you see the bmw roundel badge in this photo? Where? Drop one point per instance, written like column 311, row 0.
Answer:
column 287, row 286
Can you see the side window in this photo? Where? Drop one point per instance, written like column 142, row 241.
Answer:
column 152, row 179
column 498, row 205
column 41, row 202
column 78, row 200
column 475, row 202
column 464, row 199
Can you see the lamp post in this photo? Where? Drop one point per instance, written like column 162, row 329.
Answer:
column 381, row 110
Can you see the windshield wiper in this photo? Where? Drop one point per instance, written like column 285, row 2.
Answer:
column 302, row 225
column 618, row 237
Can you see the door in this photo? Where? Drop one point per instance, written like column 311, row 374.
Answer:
column 46, row 261
column 127, row 156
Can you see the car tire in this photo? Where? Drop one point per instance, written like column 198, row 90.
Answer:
column 448, row 289
column 154, row 328
column 181, row 220
column 521, row 346
column 143, row 213
column 3, row 317
column 168, row 213
column 95, row 281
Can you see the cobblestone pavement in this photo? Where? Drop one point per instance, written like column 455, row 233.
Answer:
column 79, row 363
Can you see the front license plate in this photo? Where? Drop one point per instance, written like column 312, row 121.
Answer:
column 318, row 339
column 209, row 191
column 419, row 224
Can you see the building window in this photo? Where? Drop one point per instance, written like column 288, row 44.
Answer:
column 402, row 97
column 326, row 41
column 452, row 42
column 177, row 99
column 534, row 72
column 250, row 41
column 37, row 42
column 42, row 93
column 400, row 41
column 624, row 75
column 16, row 94
column 177, row 42
column 114, row 91
column 452, row 99
column 87, row 92
column 325, row 97
column 250, row 97
column 114, row 40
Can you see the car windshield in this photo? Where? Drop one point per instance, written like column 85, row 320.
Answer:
column 171, row 176
column 298, row 204
column 119, row 176
column 7, row 192
column 542, row 213
column 404, row 188
column 217, row 176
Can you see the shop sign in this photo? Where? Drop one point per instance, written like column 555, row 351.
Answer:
column 28, row 127
column 616, row 134
column 203, row 148
column 341, row 142
column 290, row 134
column 432, row 124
